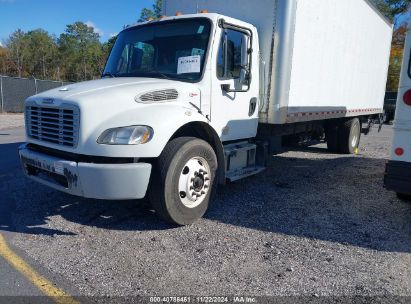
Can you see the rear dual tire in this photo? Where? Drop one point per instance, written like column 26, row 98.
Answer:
column 331, row 135
column 183, row 180
column 343, row 136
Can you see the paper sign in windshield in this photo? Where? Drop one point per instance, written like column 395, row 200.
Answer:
column 189, row 64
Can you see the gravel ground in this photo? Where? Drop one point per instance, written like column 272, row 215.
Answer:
column 313, row 224
column 11, row 121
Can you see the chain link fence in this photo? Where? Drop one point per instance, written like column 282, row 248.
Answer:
column 14, row 91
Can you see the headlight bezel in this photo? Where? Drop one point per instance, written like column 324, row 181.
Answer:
column 132, row 136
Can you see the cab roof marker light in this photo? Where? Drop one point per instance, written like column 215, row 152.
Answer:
column 204, row 12
column 179, row 14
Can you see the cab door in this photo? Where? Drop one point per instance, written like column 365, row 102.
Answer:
column 234, row 96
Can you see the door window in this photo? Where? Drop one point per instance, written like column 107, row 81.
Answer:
column 229, row 55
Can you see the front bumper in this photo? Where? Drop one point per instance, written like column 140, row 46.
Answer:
column 90, row 180
column 398, row 177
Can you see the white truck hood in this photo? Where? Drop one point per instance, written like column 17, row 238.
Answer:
column 115, row 94
column 122, row 87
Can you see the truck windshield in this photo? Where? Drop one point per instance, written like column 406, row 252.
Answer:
column 170, row 49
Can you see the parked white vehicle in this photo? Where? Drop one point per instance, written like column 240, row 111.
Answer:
column 398, row 169
column 190, row 101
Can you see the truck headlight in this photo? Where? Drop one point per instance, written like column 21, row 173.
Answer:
column 134, row 135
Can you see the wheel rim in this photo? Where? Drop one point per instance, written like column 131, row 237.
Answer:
column 194, row 182
column 355, row 138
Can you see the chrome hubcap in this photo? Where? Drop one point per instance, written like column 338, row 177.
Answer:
column 194, row 182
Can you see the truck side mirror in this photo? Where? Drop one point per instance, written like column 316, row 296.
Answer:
column 237, row 60
column 243, row 76
column 245, row 63
column 245, row 51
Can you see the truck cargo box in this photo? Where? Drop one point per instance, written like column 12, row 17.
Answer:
column 321, row 59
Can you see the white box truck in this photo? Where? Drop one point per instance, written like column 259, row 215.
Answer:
column 194, row 99
column 398, row 169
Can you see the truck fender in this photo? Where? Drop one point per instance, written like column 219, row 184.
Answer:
column 204, row 131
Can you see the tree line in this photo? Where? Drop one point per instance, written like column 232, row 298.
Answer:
column 78, row 54
column 75, row 55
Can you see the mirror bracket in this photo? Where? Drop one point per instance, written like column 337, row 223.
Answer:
column 227, row 89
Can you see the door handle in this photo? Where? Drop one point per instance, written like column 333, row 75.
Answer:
column 253, row 106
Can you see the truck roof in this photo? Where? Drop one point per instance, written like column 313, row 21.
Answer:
column 374, row 7
column 212, row 16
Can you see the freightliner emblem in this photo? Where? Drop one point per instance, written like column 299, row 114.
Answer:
column 48, row 101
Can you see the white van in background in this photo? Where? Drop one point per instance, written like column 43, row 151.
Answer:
column 398, row 171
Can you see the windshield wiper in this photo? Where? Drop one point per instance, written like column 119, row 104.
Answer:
column 164, row 76
column 109, row 74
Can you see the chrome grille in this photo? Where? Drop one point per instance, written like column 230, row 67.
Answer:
column 59, row 126
column 159, row 96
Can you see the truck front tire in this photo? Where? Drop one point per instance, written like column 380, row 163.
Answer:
column 183, row 180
